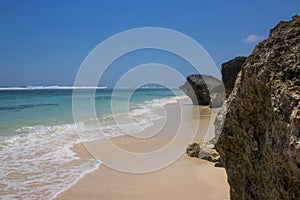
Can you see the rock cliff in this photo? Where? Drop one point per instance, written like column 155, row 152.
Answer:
column 259, row 142
column 230, row 71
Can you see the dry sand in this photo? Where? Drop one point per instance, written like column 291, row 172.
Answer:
column 186, row 178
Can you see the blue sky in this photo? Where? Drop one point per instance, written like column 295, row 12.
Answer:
column 44, row 42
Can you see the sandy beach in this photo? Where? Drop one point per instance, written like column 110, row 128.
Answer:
column 186, row 178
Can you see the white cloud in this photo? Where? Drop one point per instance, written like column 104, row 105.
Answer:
column 253, row 38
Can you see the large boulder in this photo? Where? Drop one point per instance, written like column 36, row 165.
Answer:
column 204, row 90
column 259, row 142
column 230, row 71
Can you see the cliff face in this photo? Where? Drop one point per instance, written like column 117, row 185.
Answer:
column 230, row 71
column 259, row 143
column 204, row 90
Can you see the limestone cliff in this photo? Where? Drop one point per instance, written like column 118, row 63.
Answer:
column 259, row 142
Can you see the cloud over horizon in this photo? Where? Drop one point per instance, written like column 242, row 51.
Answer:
column 253, row 38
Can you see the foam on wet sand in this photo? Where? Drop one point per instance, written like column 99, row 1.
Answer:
column 186, row 178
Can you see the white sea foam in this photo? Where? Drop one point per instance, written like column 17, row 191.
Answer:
column 38, row 163
column 54, row 87
column 57, row 87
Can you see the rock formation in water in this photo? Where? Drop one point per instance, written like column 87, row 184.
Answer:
column 259, row 142
column 229, row 72
column 204, row 90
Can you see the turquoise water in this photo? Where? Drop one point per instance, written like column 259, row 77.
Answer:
column 37, row 131
column 19, row 108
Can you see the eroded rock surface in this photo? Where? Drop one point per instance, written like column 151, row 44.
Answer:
column 204, row 90
column 259, row 143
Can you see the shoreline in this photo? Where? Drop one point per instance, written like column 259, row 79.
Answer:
column 193, row 171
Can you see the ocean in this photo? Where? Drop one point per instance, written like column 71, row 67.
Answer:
column 37, row 131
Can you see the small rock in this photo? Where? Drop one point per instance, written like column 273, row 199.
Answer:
column 193, row 150
column 209, row 154
column 204, row 151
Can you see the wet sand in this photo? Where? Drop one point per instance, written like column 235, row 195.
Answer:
column 186, row 178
